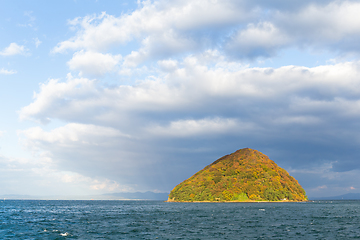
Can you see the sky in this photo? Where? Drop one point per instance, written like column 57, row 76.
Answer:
column 121, row 96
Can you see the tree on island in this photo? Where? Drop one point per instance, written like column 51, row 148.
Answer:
column 245, row 175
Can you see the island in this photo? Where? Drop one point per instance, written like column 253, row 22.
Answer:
column 246, row 175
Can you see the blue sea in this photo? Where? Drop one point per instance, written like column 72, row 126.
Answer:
column 39, row 219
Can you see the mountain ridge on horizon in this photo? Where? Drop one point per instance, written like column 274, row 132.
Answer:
column 346, row 196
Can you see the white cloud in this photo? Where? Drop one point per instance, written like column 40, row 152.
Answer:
column 72, row 132
column 327, row 182
column 297, row 120
column 31, row 20
column 93, row 64
column 100, row 185
column 98, row 33
column 160, row 46
column 168, row 65
column 7, row 72
column 54, row 90
column 109, row 186
column 204, row 127
column 193, row 88
column 264, row 39
column 162, row 30
column 54, row 95
column 334, row 26
column 37, row 42
column 333, row 21
column 40, row 176
column 95, row 35
column 166, row 30
column 101, row 157
column 13, row 49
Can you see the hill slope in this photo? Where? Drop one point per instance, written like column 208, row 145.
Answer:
column 244, row 175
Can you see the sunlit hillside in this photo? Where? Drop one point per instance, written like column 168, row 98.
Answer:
column 245, row 175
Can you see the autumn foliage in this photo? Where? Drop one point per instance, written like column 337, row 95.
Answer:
column 245, row 175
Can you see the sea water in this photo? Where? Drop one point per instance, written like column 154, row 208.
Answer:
column 36, row 219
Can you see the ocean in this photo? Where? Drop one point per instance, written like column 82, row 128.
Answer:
column 40, row 219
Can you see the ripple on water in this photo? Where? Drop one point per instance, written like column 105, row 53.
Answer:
column 156, row 219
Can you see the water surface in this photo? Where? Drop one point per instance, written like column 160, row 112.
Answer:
column 38, row 219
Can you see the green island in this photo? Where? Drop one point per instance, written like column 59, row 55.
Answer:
column 246, row 175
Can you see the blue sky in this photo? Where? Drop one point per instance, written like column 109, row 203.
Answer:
column 99, row 96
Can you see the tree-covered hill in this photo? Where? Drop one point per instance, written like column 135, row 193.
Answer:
column 245, row 175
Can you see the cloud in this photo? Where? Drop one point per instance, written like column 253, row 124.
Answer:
column 13, row 49
column 206, row 127
column 264, row 39
column 7, row 72
column 238, row 29
column 168, row 65
column 93, row 64
column 333, row 21
column 158, row 19
column 323, row 181
column 160, row 46
column 39, row 175
column 194, row 88
column 288, row 6
column 37, row 42
column 53, row 91
column 162, row 30
column 196, row 111
column 101, row 153
column 58, row 144
column 31, row 20
column 333, row 26
column 71, row 132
